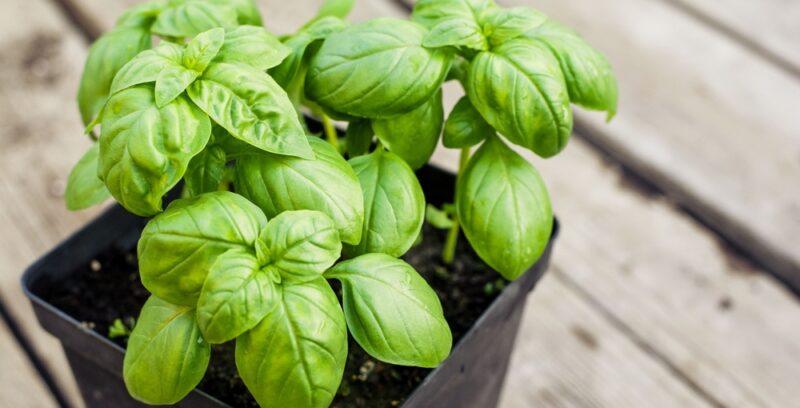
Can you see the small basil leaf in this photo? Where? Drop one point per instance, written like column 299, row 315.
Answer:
column 251, row 107
column 326, row 184
column 452, row 22
column 171, row 83
column 246, row 10
column 456, row 33
column 505, row 24
column 186, row 19
column 376, row 69
column 504, row 209
column 302, row 244
column 519, row 89
column 588, row 74
column 166, row 356
column 253, row 46
column 179, row 246
column 84, row 188
column 106, row 56
column 413, row 135
column 394, row 205
column 359, row 137
column 438, row 218
column 235, row 297
column 392, row 312
column 465, row 126
column 205, row 171
column 203, row 48
column 141, row 15
column 335, row 8
column 147, row 66
column 296, row 356
column 291, row 69
column 144, row 149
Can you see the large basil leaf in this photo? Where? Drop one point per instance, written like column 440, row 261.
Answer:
column 301, row 244
column 179, row 246
column 519, row 89
column 413, row 135
column 505, row 24
column 246, row 10
column 106, row 56
column 394, row 205
column 166, row 356
column 465, row 126
column 504, row 209
column 253, row 46
column 84, row 188
column 187, row 18
column 235, row 297
column 378, row 68
column 144, row 149
column 452, row 22
column 392, row 312
column 251, row 107
column 295, row 357
column 326, row 184
column 588, row 74
column 291, row 69
column 205, row 171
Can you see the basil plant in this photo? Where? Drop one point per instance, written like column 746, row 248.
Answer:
column 198, row 95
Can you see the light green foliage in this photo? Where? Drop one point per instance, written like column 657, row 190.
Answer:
column 504, row 209
column 440, row 219
column 378, row 68
column 392, row 312
column 326, row 184
column 465, row 126
column 501, row 25
column 252, row 46
column 295, row 357
column 187, row 18
column 166, row 356
column 335, row 8
column 84, row 188
column 413, row 135
column 359, row 137
column 453, row 22
column 294, row 67
column 394, row 205
column 205, row 171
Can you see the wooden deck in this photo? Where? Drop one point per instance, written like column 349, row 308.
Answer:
column 673, row 282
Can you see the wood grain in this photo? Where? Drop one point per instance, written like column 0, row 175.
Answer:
column 19, row 383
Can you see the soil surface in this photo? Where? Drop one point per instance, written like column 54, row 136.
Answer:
column 108, row 289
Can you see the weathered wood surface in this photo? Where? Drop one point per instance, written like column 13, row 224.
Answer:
column 676, row 310
column 19, row 384
column 771, row 28
column 703, row 117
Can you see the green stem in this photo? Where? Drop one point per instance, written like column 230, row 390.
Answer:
column 330, row 132
column 449, row 251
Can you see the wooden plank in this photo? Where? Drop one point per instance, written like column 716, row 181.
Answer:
column 702, row 117
column 41, row 135
column 569, row 355
column 19, row 383
column 770, row 28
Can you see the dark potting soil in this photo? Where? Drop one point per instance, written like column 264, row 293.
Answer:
column 108, row 289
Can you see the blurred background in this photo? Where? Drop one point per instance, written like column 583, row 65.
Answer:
column 675, row 279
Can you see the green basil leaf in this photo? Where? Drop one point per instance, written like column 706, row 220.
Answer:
column 292, row 68
column 413, row 135
column 452, row 22
column 147, row 66
column 246, row 10
column 326, row 184
column 588, row 74
column 465, row 126
column 141, row 15
column 394, row 205
column 202, row 49
column 359, row 137
column 296, row 356
column 505, row 24
column 187, row 18
column 519, row 89
column 456, row 33
column 504, row 209
column 251, row 107
column 166, row 356
column 144, row 149
column 302, row 244
column 392, row 312
column 253, row 46
column 179, row 246
column 84, row 188
column 205, row 171
column 376, row 69
column 235, row 297
column 335, row 8
column 438, row 218
column 106, row 56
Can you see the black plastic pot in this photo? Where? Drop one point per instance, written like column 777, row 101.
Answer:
column 472, row 376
